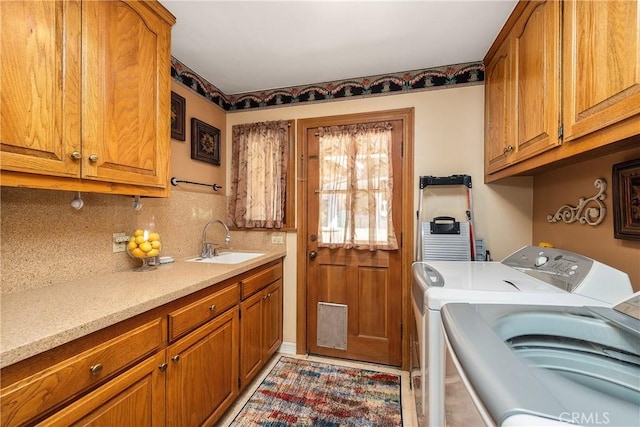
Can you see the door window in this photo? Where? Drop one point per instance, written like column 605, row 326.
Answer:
column 356, row 187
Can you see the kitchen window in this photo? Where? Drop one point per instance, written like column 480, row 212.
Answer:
column 262, row 176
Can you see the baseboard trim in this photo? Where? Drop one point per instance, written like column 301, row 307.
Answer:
column 287, row 348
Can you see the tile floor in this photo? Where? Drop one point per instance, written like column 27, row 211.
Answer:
column 408, row 411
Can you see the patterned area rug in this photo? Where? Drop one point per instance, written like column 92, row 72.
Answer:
column 304, row 393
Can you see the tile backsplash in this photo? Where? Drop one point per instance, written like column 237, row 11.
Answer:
column 44, row 241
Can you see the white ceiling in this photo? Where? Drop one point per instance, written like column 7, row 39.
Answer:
column 245, row 46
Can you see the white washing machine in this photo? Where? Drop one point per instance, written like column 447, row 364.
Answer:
column 524, row 365
column 531, row 275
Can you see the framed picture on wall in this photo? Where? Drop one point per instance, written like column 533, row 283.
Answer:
column 626, row 200
column 205, row 142
column 178, row 106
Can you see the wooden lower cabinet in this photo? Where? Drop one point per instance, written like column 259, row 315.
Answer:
column 202, row 376
column 177, row 365
column 272, row 318
column 135, row 398
column 43, row 391
column 261, row 330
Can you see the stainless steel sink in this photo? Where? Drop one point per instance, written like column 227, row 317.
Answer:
column 228, row 258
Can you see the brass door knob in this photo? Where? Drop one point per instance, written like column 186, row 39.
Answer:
column 313, row 254
column 93, row 158
column 75, row 155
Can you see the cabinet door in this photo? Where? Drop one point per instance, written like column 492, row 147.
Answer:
column 126, row 93
column 135, row 398
column 202, row 377
column 251, row 337
column 536, row 56
column 37, row 394
column 499, row 117
column 40, row 81
column 601, row 71
column 272, row 319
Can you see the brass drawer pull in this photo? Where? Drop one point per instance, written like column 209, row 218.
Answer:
column 212, row 307
column 96, row 370
column 162, row 367
column 176, row 358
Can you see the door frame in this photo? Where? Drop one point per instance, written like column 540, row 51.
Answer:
column 406, row 233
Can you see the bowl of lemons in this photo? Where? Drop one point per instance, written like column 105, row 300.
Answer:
column 144, row 244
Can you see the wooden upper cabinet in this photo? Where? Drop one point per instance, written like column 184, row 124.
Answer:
column 536, row 55
column 126, row 93
column 498, row 108
column 85, row 106
column 601, row 71
column 39, row 77
column 522, row 90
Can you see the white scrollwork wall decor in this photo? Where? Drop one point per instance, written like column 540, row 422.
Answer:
column 589, row 211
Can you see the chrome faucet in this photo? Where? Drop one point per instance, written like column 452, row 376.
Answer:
column 206, row 246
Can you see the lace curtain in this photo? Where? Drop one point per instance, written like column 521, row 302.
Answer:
column 259, row 156
column 356, row 187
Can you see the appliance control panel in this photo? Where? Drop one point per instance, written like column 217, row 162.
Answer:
column 563, row 269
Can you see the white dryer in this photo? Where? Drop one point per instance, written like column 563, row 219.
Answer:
column 531, row 275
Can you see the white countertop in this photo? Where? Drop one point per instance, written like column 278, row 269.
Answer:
column 38, row 320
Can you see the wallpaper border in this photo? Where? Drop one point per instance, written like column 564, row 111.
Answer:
column 470, row 73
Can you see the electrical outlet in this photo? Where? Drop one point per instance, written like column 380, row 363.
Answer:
column 120, row 242
column 277, row 239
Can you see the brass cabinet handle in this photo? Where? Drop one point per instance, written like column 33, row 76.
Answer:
column 176, row 358
column 162, row 367
column 75, row 155
column 212, row 307
column 509, row 148
column 95, row 370
column 93, row 158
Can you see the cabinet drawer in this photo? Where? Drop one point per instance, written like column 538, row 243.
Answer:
column 193, row 315
column 254, row 283
column 39, row 393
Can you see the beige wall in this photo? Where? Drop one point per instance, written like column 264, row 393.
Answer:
column 182, row 166
column 448, row 139
column 567, row 185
